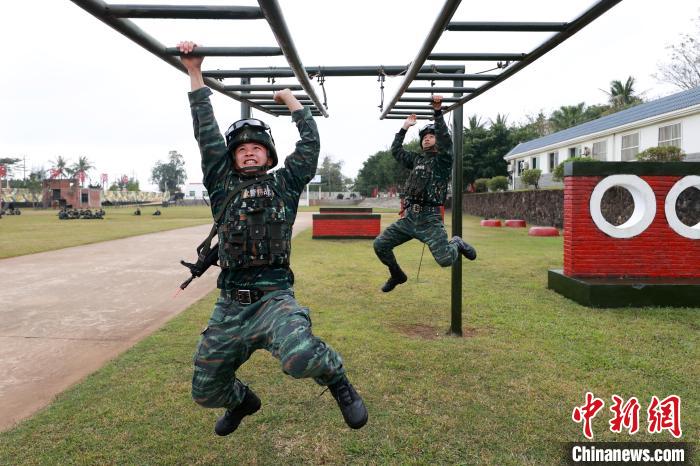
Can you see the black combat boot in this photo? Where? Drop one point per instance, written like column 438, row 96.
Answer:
column 397, row 278
column 232, row 417
column 350, row 403
column 466, row 249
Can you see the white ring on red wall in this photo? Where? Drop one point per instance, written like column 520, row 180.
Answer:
column 644, row 206
column 692, row 181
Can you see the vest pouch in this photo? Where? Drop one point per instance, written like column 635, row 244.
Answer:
column 256, row 225
column 235, row 247
column 277, row 237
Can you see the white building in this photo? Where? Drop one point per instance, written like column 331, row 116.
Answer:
column 195, row 191
column 670, row 121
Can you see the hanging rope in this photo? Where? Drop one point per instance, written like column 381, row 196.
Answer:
column 420, row 263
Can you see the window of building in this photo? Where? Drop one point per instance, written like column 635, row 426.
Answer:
column 630, row 146
column 520, row 166
column 600, row 150
column 553, row 159
column 205, row 194
column 574, row 151
column 192, row 193
column 533, row 162
column 84, row 197
column 670, row 135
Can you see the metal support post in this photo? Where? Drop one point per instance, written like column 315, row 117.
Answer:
column 457, row 133
column 245, row 108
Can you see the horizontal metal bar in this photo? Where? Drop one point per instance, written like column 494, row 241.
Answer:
column 477, row 56
column 185, row 11
column 441, row 89
column 263, row 87
column 126, row 27
column 417, row 112
column 399, row 117
column 505, row 26
column 412, row 106
column 228, row 51
column 427, row 99
column 337, row 71
column 282, row 107
column 313, row 113
column 572, row 28
column 443, row 19
column 452, row 77
column 274, row 17
column 270, row 103
column 299, row 97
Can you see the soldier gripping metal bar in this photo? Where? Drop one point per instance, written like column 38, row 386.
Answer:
column 257, row 308
column 425, row 192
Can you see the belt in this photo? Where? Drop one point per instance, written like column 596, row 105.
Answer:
column 416, row 208
column 244, row 296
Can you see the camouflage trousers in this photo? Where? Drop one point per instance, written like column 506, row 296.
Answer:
column 276, row 323
column 426, row 227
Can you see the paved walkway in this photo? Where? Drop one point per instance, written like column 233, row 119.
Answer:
column 64, row 313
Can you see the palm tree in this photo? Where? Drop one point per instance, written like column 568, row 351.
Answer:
column 567, row 116
column 59, row 168
column 475, row 123
column 81, row 168
column 621, row 95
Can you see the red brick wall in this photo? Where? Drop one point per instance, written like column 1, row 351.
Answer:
column 346, row 226
column 657, row 252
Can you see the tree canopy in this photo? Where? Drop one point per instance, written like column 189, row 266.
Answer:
column 332, row 178
column 171, row 174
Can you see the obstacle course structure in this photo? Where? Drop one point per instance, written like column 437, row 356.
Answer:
column 400, row 106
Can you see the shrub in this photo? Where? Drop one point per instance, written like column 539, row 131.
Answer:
column 481, row 185
column 339, row 196
column 498, row 183
column 558, row 173
column 531, row 177
column 661, row 154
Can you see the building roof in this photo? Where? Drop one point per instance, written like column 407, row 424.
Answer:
column 640, row 112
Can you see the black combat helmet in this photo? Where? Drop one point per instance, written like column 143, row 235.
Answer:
column 251, row 130
column 429, row 128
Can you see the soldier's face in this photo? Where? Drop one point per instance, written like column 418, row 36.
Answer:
column 428, row 141
column 251, row 154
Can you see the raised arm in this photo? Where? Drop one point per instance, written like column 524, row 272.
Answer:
column 402, row 156
column 442, row 133
column 216, row 162
column 300, row 166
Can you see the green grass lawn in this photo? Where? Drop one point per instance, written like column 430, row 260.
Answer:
column 502, row 395
column 41, row 230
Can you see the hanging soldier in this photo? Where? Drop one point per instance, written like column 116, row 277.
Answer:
column 424, row 194
column 255, row 212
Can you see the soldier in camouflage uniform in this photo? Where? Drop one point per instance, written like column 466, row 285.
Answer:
column 425, row 191
column 257, row 308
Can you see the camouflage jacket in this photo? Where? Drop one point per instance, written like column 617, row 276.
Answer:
column 430, row 171
column 220, row 178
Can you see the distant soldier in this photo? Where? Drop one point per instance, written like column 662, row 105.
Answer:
column 157, row 212
column 425, row 192
column 255, row 213
column 137, row 211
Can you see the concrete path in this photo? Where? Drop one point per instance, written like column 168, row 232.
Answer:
column 64, row 313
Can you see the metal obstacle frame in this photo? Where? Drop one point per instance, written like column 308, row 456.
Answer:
column 400, row 106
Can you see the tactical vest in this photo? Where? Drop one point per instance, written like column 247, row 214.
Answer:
column 422, row 187
column 255, row 231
